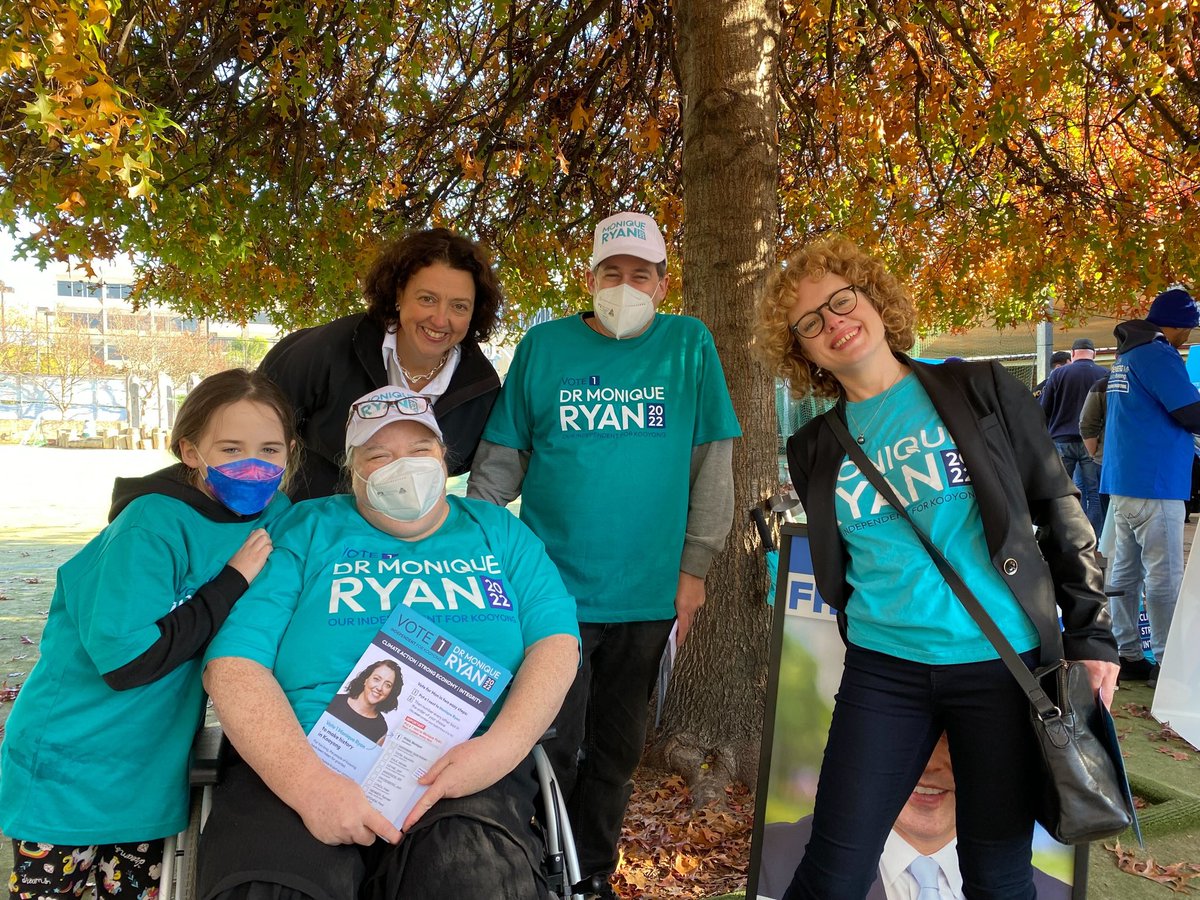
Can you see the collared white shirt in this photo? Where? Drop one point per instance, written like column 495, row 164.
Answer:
column 898, row 882
column 435, row 388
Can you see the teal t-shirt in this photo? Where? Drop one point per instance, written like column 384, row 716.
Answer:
column 900, row 603
column 334, row 579
column 611, row 426
column 82, row 763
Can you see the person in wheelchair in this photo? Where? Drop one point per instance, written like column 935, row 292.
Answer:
column 283, row 825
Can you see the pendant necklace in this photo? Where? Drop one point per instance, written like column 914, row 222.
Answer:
column 411, row 378
column 862, row 439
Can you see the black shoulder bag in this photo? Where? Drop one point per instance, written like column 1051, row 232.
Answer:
column 1085, row 796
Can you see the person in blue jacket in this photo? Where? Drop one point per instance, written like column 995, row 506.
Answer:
column 1153, row 411
column 95, row 756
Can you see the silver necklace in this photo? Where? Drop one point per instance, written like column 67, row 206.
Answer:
column 410, row 377
column 882, row 403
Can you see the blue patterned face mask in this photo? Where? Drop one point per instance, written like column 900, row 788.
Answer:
column 244, row 486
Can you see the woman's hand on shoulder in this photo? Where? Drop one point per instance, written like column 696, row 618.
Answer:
column 466, row 769
column 335, row 810
column 252, row 555
column 1103, row 676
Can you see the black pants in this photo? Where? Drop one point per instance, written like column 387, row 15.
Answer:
column 255, row 847
column 887, row 717
column 601, row 731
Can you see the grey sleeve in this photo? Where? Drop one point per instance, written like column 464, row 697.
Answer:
column 710, row 505
column 497, row 473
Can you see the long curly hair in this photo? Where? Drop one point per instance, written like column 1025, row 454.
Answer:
column 399, row 260
column 783, row 353
column 359, row 684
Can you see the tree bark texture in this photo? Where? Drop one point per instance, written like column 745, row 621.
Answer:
column 727, row 54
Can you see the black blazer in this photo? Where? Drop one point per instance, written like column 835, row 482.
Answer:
column 1019, row 483
column 322, row 370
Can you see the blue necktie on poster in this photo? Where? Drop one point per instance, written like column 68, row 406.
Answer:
column 926, row 870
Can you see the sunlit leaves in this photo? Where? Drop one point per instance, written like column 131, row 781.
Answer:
column 1000, row 154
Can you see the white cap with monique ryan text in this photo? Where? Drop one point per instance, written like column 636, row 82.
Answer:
column 359, row 428
column 631, row 234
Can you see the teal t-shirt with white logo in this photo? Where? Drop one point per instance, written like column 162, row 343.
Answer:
column 334, row 579
column 611, row 426
column 901, row 604
column 85, row 764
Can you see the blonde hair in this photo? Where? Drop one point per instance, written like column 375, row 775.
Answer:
column 783, row 353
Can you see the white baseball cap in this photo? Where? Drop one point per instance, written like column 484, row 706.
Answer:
column 632, row 234
column 382, row 407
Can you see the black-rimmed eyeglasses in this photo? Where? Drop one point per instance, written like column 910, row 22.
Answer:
column 841, row 302
column 412, row 405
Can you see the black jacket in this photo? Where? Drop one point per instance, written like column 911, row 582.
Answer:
column 323, row 370
column 1019, row 483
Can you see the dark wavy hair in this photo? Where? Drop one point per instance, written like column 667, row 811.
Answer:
column 359, row 684
column 399, row 260
column 227, row 387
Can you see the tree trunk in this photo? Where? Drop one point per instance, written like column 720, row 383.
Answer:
column 714, row 709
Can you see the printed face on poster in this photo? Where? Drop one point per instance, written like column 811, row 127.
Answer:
column 805, row 670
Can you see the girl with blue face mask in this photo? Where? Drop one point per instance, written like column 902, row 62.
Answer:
column 94, row 761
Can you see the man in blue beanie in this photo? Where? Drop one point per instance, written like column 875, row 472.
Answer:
column 1153, row 411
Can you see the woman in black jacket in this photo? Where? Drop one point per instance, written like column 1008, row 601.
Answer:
column 965, row 447
column 432, row 299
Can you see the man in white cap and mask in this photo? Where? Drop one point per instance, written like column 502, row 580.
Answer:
column 616, row 428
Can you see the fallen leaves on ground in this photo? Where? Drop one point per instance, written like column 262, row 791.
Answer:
column 8, row 693
column 671, row 850
column 1177, row 876
column 1166, row 733
column 1139, row 710
column 1174, row 754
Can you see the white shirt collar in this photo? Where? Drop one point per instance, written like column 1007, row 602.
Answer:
column 435, row 388
column 899, row 884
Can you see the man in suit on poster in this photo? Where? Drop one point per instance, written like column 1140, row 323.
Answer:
column 920, row 857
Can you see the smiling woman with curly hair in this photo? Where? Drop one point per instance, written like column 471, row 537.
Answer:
column 779, row 347
column 965, row 448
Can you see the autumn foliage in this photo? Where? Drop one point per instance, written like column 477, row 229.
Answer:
column 253, row 153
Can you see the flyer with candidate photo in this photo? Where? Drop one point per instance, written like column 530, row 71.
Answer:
column 415, row 693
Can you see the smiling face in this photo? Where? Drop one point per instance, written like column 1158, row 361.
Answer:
column 379, row 685
column 927, row 820
column 435, row 309
column 243, row 429
column 846, row 342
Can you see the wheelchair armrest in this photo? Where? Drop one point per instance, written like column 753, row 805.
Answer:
column 210, row 751
column 550, row 734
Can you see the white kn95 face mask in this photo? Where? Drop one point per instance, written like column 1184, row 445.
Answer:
column 623, row 310
column 406, row 488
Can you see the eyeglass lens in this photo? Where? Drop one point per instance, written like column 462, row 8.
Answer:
column 406, row 406
column 840, row 303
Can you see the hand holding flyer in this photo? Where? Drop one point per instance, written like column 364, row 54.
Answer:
column 414, row 694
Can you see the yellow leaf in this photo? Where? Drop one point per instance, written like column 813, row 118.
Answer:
column 581, row 116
